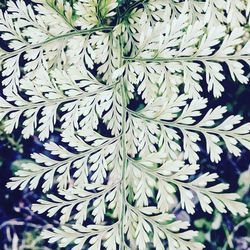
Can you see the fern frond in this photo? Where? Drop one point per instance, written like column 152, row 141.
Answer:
column 167, row 115
column 146, row 220
column 36, row 37
column 178, row 174
column 122, row 81
column 79, row 199
column 95, row 235
column 48, row 168
column 176, row 47
column 63, row 92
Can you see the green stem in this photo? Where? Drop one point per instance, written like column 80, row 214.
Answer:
column 124, row 156
column 69, row 34
column 177, row 183
column 231, row 235
column 187, row 59
column 132, row 7
column 181, row 127
column 57, row 101
column 53, row 7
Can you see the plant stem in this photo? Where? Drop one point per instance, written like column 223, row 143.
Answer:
column 54, row 38
column 57, row 101
column 180, row 126
column 132, row 7
column 61, row 15
column 124, row 154
column 187, row 59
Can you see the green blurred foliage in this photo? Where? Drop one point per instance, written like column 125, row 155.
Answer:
column 212, row 230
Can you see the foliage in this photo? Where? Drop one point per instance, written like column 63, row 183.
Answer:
column 78, row 70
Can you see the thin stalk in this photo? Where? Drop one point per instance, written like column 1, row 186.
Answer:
column 187, row 59
column 61, row 15
column 132, row 7
column 124, row 155
column 54, row 38
column 57, row 101
column 195, row 127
